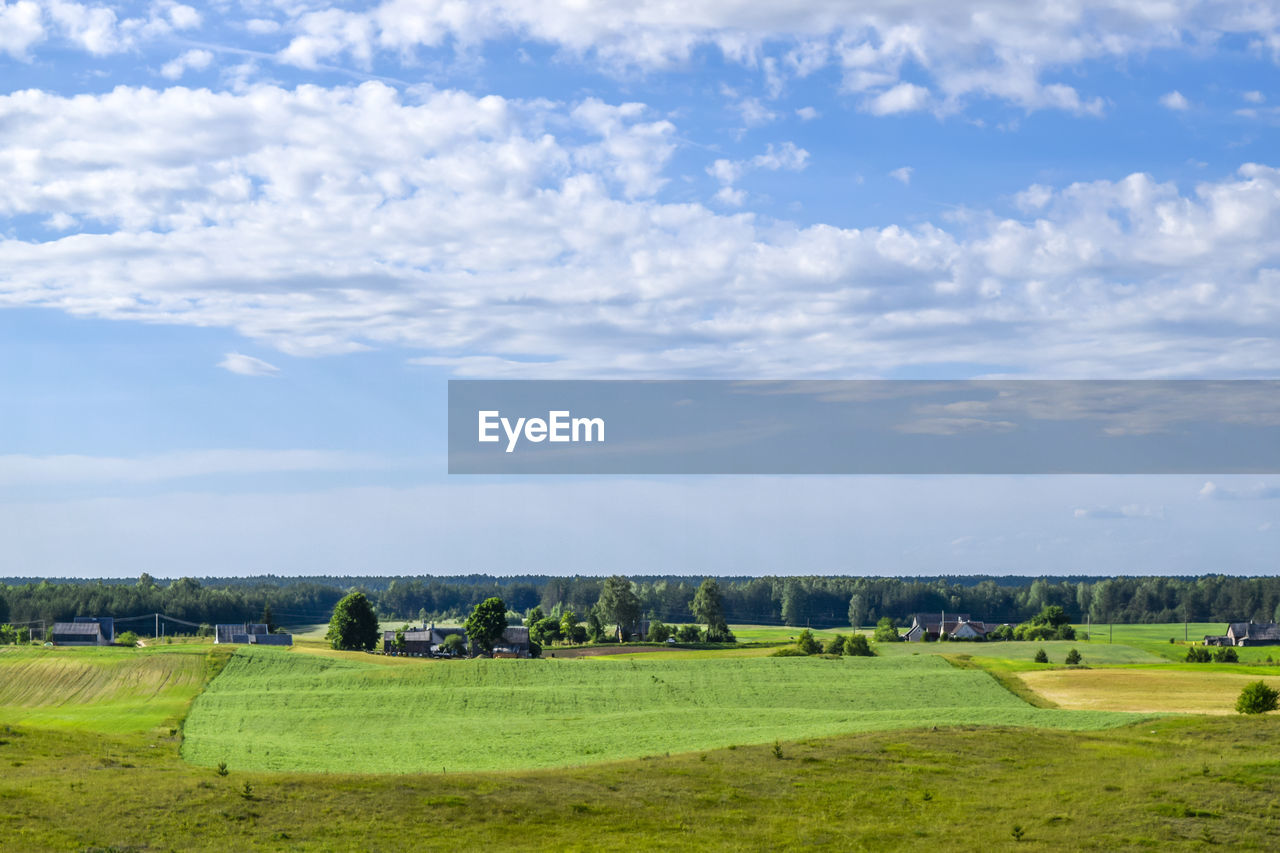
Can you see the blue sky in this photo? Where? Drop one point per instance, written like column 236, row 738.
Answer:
column 243, row 247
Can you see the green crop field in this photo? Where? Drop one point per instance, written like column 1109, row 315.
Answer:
column 277, row 710
column 104, row 689
column 1092, row 654
column 779, row 634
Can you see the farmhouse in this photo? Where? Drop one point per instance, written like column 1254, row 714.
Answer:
column 427, row 640
column 85, row 631
column 930, row 626
column 422, row 641
column 514, row 643
column 1253, row 634
column 251, row 633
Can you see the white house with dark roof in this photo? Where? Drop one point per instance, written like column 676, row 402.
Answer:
column 1253, row 634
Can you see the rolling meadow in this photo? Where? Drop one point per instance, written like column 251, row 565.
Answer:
column 120, row 749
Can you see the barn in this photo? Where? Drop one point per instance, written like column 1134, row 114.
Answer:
column 79, row 634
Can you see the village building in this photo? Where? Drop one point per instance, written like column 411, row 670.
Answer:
column 420, row 642
column 926, row 627
column 514, row 643
column 428, row 641
column 84, row 631
column 250, row 633
column 1252, row 634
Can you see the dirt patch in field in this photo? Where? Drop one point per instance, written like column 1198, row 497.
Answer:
column 1144, row 691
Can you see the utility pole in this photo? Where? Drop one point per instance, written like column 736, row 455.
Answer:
column 157, row 631
column 1111, row 631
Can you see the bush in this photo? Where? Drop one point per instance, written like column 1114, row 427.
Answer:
column 1225, row 654
column 658, row 632
column 835, row 645
column 718, row 634
column 687, row 633
column 1073, row 657
column 806, row 643
column 886, row 631
column 857, row 646
column 1041, row 657
column 1257, row 698
column 787, row 652
column 1198, row 654
column 128, row 638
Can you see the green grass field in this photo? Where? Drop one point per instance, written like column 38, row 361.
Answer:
column 89, row 782
column 103, row 689
column 277, row 710
column 1091, row 654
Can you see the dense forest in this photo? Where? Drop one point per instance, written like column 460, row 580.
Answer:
column 819, row 602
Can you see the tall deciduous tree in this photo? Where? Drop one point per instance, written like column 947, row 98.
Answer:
column 618, row 603
column 857, row 610
column 486, row 623
column 708, row 608
column 354, row 624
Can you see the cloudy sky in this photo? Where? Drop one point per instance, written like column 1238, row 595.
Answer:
column 244, row 246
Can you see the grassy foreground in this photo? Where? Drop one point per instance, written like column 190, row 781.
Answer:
column 273, row 709
column 1174, row 784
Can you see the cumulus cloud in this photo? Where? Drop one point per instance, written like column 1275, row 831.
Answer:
column 463, row 229
column 1005, row 50
column 902, row 98
column 98, row 29
column 1254, row 492
column 902, row 174
column 194, row 60
column 247, row 365
column 787, row 156
column 1175, row 100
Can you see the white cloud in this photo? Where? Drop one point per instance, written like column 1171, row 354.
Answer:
column 903, row 174
column 247, row 365
column 184, row 17
column 262, row 26
column 1254, row 97
column 902, row 98
column 21, row 26
column 195, row 60
column 787, row 156
column 1002, row 49
column 1253, row 492
column 754, row 113
column 730, row 197
column 807, row 113
column 326, row 221
column 1175, row 100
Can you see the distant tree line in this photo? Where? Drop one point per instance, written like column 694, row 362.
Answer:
column 819, row 602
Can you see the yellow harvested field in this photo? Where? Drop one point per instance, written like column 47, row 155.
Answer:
column 1143, row 690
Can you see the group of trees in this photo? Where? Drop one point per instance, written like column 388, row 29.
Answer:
column 1220, row 654
column 818, row 602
